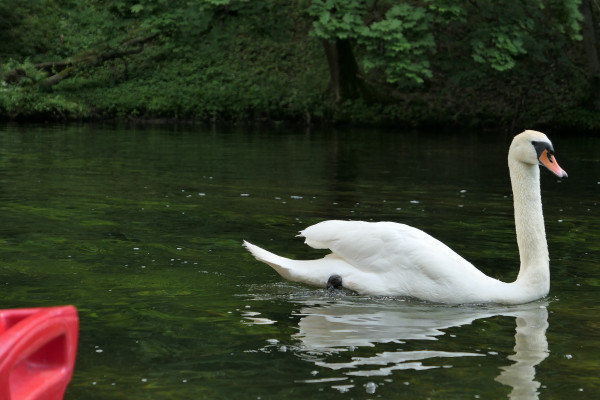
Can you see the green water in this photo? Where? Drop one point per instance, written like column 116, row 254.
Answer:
column 141, row 230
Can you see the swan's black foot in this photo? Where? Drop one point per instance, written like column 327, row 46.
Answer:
column 334, row 282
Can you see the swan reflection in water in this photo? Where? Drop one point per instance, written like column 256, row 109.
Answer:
column 326, row 329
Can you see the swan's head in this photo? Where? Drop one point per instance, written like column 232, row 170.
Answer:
column 532, row 147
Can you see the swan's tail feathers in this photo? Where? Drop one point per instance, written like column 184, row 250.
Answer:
column 279, row 264
column 312, row 272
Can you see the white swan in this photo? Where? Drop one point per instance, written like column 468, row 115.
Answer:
column 390, row 259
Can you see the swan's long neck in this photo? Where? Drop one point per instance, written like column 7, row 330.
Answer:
column 529, row 224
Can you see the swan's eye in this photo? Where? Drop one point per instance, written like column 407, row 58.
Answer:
column 543, row 148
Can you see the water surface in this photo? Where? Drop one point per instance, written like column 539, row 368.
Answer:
column 141, row 230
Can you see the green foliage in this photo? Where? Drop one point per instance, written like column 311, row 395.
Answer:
column 31, row 76
column 504, row 31
column 25, row 98
column 399, row 43
column 429, row 61
column 213, row 63
column 26, row 28
column 18, row 103
column 338, row 18
column 401, row 38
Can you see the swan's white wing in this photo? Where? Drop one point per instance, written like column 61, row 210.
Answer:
column 394, row 258
column 381, row 246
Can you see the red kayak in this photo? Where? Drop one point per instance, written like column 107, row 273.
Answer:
column 37, row 352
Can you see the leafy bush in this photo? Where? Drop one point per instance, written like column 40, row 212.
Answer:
column 425, row 61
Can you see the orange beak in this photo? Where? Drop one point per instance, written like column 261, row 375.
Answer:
column 549, row 162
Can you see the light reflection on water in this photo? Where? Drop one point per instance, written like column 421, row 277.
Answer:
column 337, row 326
column 329, row 326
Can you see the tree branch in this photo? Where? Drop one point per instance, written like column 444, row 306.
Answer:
column 63, row 69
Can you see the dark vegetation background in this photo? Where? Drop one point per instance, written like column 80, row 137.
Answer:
column 510, row 63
